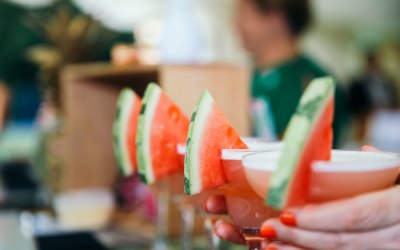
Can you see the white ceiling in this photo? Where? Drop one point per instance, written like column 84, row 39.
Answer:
column 366, row 17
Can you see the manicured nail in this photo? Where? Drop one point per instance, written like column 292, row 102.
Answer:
column 271, row 248
column 268, row 232
column 288, row 218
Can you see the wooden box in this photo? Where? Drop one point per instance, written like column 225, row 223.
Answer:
column 89, row 97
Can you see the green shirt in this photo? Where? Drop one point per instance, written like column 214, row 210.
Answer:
column 280, row 88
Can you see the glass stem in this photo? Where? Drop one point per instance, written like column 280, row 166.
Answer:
column 254, row 244
column 213, row 240
column 162, row 216
column 187, row 213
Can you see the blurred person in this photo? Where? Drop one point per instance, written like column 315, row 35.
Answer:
column 269, row 30
column 371, row 92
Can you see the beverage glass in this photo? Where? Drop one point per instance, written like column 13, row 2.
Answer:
column 194, row 204
column 349, row 173
column 189, row 206
column 245, row 208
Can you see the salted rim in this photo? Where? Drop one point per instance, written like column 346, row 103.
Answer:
column 237, row 154
column 361, row 161
column 254, row 146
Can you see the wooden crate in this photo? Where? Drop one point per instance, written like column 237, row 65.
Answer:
column 89, row 97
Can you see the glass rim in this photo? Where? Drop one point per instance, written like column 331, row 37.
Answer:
column 254, row 146
column 238, row 154
column 362, row 161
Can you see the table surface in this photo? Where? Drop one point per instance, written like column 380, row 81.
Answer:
column 11, row 236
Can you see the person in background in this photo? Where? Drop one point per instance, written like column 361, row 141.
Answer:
column 372, row 91
column 269, row 30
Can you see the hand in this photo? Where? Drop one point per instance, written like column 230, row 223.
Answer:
column 370, row 221
column 216, row 204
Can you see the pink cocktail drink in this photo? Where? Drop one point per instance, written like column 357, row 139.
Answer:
column 349, row 173
column 245, row 208
column 236, row 174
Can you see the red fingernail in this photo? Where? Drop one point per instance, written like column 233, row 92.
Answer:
column 268, row 232
column 288, row 218
column 271, row 248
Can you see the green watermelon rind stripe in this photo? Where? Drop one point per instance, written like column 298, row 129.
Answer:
column 125, row 103
column 192, row 180
column 301, row 125
column 143, row 133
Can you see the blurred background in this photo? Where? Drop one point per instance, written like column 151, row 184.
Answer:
column 63, row 63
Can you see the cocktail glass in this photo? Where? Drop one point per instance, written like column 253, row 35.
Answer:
column 189, row 206
column 163, row 190
column 167, row 189
column 245, row 208
column 349, row 173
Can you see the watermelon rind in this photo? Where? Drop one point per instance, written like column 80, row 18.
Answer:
column 125, row 103
column 192, row 181
column 143, row 133
column 309, row 110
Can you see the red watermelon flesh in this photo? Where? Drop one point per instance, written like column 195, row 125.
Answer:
column 308, row 138
column 131, row 136
column 161, row 126
column 170, row 127
column 218, row 134
column 124, row 131
column 318, row 147
column 209, row 133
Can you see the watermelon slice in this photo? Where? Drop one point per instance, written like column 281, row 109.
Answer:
column 161, row 126
column 209, row 133
column 124, row 131
column 308, row 138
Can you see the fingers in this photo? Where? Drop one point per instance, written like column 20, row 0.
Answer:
column 297, row 237
column 216, row 204
column 282, row 246
column 369, row 148
column 229, row 232
column 388, row 238
column 365, row 212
